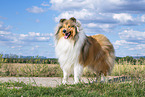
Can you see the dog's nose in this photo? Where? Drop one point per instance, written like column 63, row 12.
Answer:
column 64, row 31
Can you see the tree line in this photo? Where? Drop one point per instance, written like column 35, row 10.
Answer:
column 130, row 60
column 10, row 58
column 27, row 59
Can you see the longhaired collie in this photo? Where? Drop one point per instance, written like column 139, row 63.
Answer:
column 75, row 51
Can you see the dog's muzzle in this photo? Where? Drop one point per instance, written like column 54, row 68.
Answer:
column 66, row 34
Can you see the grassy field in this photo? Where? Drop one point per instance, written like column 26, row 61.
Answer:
column 135, row 87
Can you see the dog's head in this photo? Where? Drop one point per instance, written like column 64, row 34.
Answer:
column 67, row 29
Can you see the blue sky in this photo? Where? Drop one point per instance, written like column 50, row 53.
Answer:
column 27, row 27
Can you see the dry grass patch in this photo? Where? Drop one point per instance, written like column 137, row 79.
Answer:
column 34, row 70
column 54, row 70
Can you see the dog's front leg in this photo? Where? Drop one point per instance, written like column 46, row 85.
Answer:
column 65, row 76
column 78, row 70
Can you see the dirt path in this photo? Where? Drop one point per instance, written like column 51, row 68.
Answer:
column 45, row 81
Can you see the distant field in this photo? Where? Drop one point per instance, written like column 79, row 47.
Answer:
column 54, row 70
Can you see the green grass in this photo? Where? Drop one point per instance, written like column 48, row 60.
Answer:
column 135, row 88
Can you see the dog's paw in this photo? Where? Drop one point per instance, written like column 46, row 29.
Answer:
column 76, row 82
column 64, row 82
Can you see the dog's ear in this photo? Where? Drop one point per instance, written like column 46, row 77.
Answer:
column 73, row 19
column 78, row 29
column 62, row 20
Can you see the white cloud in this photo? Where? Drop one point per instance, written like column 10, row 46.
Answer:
column 106, row 6
column 92, row 25
column 34, row 47
column 143, row 18
column 57, row 1
column 42, row 38
column 101, row 15
column 65, row 5
column 34, row 34
column 103, row 27
column 138, row 47
column 16, row 47
column 51, row 34
column 9, row 38
column 131, row 41
column 4, row 32
column 23, row 44
column 23, row 35
column 128, row 47
column 35, row 9
column 123, row 17
column 124, row 42
column 37, row 46
column 133, row 36
column 80, row 8
column 34, row 37
column 3, row 27
column 117, row 2
column 82, row 14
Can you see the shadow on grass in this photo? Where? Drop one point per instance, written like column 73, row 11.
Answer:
column 116, row 79
column 120, row 79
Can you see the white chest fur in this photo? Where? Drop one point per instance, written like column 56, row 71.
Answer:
column 67, row 53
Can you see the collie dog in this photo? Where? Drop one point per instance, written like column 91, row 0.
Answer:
column 75, row 51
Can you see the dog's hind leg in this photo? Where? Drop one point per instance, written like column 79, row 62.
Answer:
column 104, row 78
column 97, row 76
